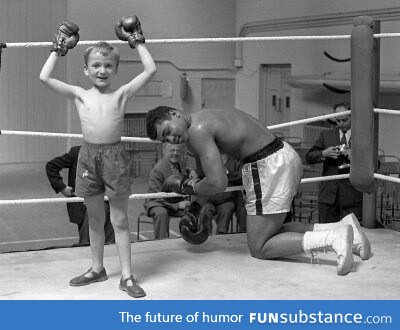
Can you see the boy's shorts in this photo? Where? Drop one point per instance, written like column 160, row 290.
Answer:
column 103, row 168
column 271, row 178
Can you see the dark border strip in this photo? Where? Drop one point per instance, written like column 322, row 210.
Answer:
column 257, row 188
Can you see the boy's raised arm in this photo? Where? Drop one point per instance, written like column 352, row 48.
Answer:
column 129, row 29
column 66, row 38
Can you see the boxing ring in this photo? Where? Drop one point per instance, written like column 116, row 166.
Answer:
column 168, row 269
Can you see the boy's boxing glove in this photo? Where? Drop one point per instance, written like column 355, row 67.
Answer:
column 129, row 29
column 66, row 37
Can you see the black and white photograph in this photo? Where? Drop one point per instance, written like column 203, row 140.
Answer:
column 199, row 150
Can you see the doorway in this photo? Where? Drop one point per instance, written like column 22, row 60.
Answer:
column 275, row 102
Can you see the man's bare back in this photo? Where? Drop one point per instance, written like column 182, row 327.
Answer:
column 234, row 132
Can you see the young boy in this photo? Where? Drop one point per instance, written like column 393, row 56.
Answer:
column 103, row 165
column 271, row 173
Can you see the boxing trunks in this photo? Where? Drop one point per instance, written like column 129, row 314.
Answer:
column 103, row 168
column 270, row 178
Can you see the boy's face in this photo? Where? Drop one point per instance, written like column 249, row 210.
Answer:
column 100, row 69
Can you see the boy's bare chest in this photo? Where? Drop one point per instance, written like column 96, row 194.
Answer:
column 98, row 103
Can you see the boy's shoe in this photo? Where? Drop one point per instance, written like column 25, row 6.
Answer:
column 89, row 277
column 133, row 290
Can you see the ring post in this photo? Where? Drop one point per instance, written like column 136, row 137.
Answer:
column 369, row 200
column 364, row 127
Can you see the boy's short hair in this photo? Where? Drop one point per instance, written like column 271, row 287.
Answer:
column 157, row 116
column 105, row 49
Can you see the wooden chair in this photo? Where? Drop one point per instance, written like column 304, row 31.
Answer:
column 143, row 218
column 388, row 193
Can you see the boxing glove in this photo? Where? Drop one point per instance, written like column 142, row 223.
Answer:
column 190, row 231
column 181, row 185
column 169, row 186
column 66, row 37
column 129, row 29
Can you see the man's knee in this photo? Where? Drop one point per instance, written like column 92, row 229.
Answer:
column 260, row 230
column 256, row 250
column 256, row 244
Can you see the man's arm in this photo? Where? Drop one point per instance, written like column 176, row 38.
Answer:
column 53, row 169
column 322, row 150
column 314, row 155
column 215, row 179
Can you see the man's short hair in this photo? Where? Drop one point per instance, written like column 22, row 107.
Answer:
column 157, row 116
column 345, row 105
column 105, row 49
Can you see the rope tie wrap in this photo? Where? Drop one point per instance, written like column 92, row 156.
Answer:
column 2, row 45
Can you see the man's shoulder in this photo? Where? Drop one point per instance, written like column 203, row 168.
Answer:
column 204, row 119
column 75, row 149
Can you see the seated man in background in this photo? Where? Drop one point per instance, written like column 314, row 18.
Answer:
column 222, row 206
column 336, row 198
column 219, row 207
column 173, row 162
column 76, row 211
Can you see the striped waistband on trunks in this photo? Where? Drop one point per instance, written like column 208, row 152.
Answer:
column 269, row 149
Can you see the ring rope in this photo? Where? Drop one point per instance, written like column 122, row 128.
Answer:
column 386, row 178
column 387, row 111
column 72, row 135
column 325, row 178
column 310, row 120
column 185, row 40
column 166, row 195
column 201, row 40
column 146, row 196
column 80, row 199
column 387, row 35
column 147, row 140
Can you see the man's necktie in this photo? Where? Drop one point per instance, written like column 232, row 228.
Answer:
column 343, row 140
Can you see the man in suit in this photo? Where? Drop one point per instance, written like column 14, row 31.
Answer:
column 336, row 198
column 76, row 211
